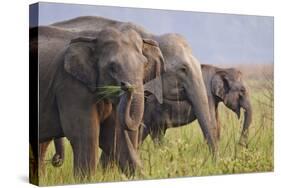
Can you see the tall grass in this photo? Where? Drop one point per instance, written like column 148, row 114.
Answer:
column 184, row 152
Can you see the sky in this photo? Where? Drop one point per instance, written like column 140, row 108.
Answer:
column 214, row 38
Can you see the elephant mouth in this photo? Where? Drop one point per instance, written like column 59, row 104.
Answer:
column 127, row 87
column 236, row 110
column 113, row 92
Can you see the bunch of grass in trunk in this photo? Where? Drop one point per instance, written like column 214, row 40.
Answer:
column 111, row 91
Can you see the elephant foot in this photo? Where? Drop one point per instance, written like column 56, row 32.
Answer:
column 158, row 138
column 243, row 143
column 124, row 177
column 139, row 174
column 244, row 140
column 57, row 160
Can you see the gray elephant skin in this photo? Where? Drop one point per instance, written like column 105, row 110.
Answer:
column 73, row 65
column 187, row 85
column 223, row 85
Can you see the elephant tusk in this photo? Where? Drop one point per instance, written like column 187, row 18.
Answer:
column 143, row 125
column 132, row 151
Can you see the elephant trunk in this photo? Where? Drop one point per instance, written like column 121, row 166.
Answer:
column 130, row 113
column 198, row 98
column 246, row 105
column 134, row 159
column 131, row 107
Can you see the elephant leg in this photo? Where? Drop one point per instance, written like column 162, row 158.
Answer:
column 218, row 125
column 106, row 161
column 85, row 148
column 85, row 152
column 157, row 135
column 42, row 153
column 80, row 124
column 58, row 158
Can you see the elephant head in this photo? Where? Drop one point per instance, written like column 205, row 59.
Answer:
column 121, row 58
column 112, row 58
column 227, row 85
column 183, row 81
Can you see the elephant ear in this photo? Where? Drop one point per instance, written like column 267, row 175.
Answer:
column 155, row 87
column 153, row 69
column 79, row 61
column 220, row 85
column 156, row 64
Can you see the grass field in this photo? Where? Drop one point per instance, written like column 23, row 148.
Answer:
column 184, row 152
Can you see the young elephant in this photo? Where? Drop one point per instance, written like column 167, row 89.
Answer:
column 222, row 85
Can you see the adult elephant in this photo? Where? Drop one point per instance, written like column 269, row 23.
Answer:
column 223, row 85
column 186, row 85
column 73, row 66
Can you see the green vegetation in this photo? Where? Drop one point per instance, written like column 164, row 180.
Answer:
column 184, row 152
column 108, row 92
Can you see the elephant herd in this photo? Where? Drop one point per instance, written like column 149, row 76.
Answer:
column 163, row 85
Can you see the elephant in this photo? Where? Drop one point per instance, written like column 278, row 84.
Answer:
column 222, row 85
column 73, row 67
column 186, row 85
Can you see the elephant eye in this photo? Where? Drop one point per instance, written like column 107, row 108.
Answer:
column 243, row 90
column 183, row 69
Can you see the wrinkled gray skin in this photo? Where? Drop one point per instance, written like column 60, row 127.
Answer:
column 70, row 74
column 223, row 85
column 187, row 85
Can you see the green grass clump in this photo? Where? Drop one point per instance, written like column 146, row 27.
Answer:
column 109, row 92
